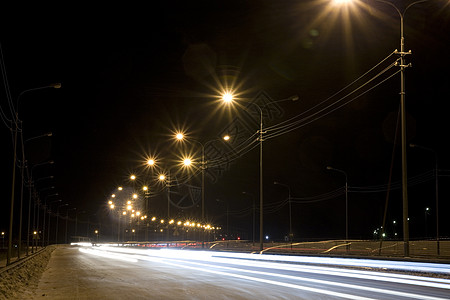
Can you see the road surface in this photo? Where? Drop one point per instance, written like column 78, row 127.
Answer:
column 126, row 273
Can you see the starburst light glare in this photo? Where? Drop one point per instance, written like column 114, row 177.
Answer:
column 179, row 136
column 227, row 97
column 187, row 162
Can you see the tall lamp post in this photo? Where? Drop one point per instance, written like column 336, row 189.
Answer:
column 180, row 137
column 44, row 216
column 346, row 200
column 253, row 209
column 402, row 66
column 402, row 54
column 228, row 98
column 16, row 130
column 57, row 218
column 30, row 186
column 291, row 235
column 436, row 192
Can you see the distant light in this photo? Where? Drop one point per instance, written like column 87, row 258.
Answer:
column 132, row 177
column 110, row 202
column 113, row 195
column 162, row 177
column 124, row 213
column 135, row 196
column 150, row 162
column 120, row 188
column 226, row 138
column 145, row 188
column 179, row 136
column 128, row 202
column 129, row 207
column 112, row 206
column 267, row 237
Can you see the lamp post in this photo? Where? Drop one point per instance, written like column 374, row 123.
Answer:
column 45, row 211
column 180, row 137
column 57, row 218
column 67, row 220
column 30, row 186
column 402, row 66
column 227, row 206
column 346, row 200
column 253, row 209
column 16, row 130
column 228, row 98
column 49, row 219
column 436, row 192
column 291, row 235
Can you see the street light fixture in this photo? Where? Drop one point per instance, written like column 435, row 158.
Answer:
column 228, row 99
column 436, row 192
column 187, row 162
column 291, row 234
column 403, row 66
column 253, row 209
column 16, row 130
column 346, row 200
column 30, row 186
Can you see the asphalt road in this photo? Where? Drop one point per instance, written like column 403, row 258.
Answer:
column 126, row 273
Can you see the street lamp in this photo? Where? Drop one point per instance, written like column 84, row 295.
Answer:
column 346, row 200
column 228, row 99
column 57, row 218
column 45, row 211
column 254, row 209
column 67, row 220
column 187, row 162
column 16, row 130
column 291, row 235
column 227, row 206
column 436, row 192
column 21, row 192
column 402, row 66
column 49, row 219
column 30, row 185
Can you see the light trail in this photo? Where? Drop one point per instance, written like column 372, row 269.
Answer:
column 207, row 261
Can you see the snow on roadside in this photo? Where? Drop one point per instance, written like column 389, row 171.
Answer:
column 21, row 281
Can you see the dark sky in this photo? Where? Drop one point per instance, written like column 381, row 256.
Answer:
column 131, row 76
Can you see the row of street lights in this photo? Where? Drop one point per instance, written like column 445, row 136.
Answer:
column 16, row 131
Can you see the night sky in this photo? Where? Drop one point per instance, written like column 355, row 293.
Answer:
column 132, row 76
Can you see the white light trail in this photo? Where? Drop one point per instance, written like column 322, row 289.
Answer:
column 108, row 255
column 198, row 260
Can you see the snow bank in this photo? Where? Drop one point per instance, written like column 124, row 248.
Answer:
column 20, row 279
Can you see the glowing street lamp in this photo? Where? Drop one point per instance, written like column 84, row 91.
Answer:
column 228, row 99
column 187, row 162
column 403, row 66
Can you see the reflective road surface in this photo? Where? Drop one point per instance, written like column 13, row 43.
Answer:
column 107, row 272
